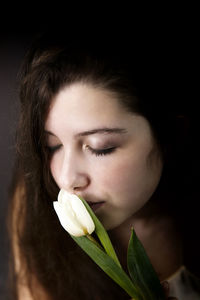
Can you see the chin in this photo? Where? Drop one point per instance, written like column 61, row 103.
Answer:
column 115, row 219
column 111, row 223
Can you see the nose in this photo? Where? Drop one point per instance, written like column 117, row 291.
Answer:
column 73, row 174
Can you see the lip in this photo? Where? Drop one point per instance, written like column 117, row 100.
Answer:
column 96, row 205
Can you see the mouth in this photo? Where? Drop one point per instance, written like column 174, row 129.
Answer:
column 96, row 205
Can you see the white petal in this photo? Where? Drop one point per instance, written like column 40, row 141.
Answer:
column 68, row 222
column 82, row 214
column 75, row 208
column 64, row 196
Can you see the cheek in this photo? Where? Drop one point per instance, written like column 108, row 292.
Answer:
column 119, row 177
column 54, row 168
column 132, row 178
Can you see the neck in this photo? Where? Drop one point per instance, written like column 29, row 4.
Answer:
column 159, row 238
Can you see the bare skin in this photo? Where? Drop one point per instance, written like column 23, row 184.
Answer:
column 160, row 240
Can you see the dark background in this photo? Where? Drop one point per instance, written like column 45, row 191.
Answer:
column 13, row 45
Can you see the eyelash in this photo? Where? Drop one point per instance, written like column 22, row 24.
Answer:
column 52, row 149
column 102, row 152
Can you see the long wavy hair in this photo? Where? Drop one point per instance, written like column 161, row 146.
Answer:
column 138, row 81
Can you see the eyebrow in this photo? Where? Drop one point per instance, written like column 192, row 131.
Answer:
column 104, row 130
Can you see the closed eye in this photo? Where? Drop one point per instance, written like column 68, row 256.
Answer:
column 99, row 152
column 52, row 149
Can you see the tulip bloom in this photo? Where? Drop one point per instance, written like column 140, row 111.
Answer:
column 73, row 214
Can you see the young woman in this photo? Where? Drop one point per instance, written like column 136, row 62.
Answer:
column 97, row 119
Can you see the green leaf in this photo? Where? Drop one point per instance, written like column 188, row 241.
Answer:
column 109, row 266
column 142, row 271
column 102, row 234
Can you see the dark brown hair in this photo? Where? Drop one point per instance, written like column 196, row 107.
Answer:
column 54, row 61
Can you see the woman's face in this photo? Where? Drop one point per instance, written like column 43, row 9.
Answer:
column 101, row 152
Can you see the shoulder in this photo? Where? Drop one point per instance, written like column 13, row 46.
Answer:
column 184, row 285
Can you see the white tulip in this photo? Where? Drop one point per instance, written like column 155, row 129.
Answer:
column 73, row 214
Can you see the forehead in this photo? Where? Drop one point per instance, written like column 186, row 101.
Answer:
column 86, row 109
column 84, row 102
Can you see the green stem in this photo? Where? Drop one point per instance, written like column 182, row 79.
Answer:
column 92, row 239
column 102, row 235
